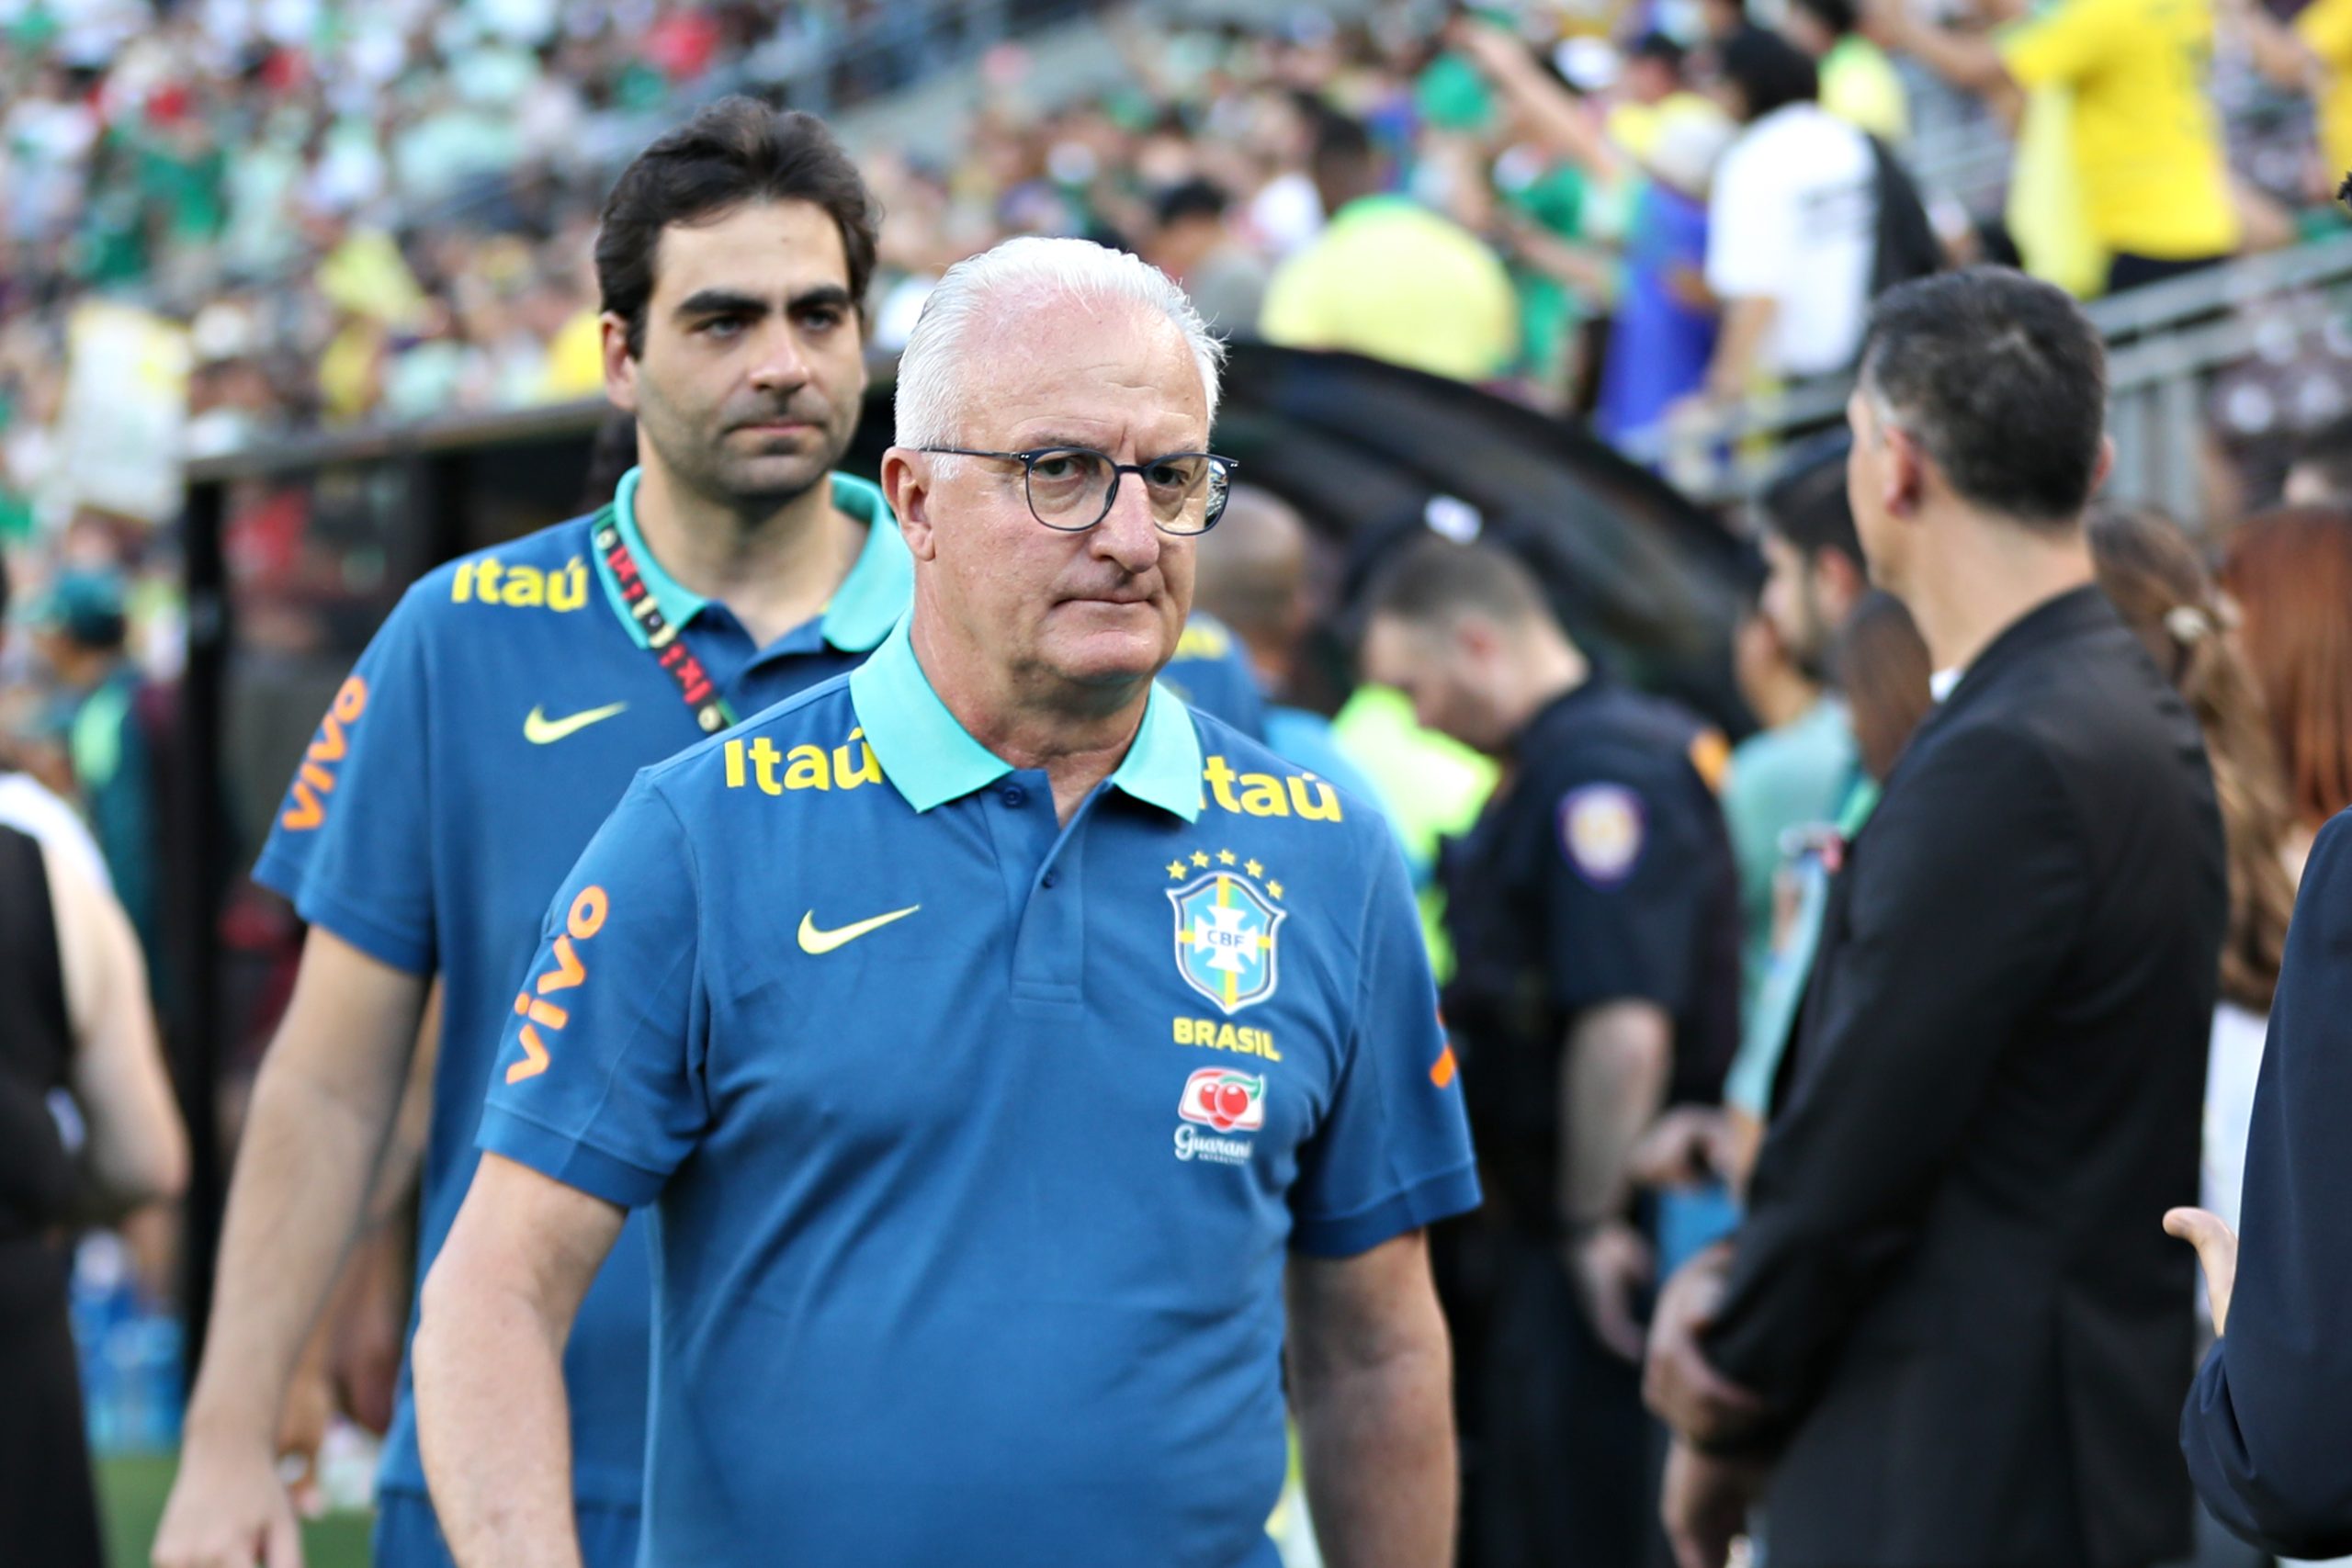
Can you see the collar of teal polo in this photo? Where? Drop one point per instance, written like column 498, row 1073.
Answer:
column 858, row 616
column 932, row 758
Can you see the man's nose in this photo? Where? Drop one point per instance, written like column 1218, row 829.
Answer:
column 1126, row 533
column 777, row 363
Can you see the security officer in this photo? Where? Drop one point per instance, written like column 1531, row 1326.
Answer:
column 1594, row 915
column 488, row 730
column 996, row 1042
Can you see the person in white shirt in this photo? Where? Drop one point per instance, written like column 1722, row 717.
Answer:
column 1792, row 224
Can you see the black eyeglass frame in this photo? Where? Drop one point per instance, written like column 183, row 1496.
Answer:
column 1221, row 471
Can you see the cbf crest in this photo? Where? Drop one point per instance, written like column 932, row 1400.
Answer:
column 1227, row 927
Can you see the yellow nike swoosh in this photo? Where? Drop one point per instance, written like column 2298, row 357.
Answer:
column 814, row 941
column 541, row 730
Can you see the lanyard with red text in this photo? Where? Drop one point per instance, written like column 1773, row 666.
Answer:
column 696, row 688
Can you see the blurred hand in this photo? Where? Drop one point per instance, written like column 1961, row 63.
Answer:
column 1678, row 1384
column 2217, row 1251
column 1494, row 52
column 1687, row 1146
column 302, row 1428
column 1609, row 1267
column 1704, row 1505
column 228, row 1509
column 367, row 1324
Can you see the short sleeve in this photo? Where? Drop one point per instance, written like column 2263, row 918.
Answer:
column 350, row 845
column 2065, row 45
column 1626, row 889
column 597, row 1082
column 1393, row 1152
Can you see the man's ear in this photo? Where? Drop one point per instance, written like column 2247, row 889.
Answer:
column 620, row 365
column 1905, row 473
column 907, row 487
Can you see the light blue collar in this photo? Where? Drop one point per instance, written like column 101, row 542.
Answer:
column 932, row 758
column 858, row 616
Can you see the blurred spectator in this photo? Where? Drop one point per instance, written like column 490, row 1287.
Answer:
column 1251, row 573
column 1656, row 94
column 1197, row 247
column 1594, row 918
column 80, row 629
column 2147, row 139
column 1662, row 338
column 88, row 1129
column 33, row 808
column 1795, row 774
column 1792, row 224
column 2152, row 572
column 1859, row 85
column 2289, row 573
column 1883, row 668
column 1389, row 278
column 2312, row 56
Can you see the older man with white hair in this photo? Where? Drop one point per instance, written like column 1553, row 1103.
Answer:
column 1016, row 1061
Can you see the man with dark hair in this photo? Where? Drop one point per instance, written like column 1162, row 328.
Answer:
column 487, row 731
column 1791, row 223
column 1593, row 918
column 1389, row 278
column 1794, row 773
column 1946, row 1330
column 1196, row 246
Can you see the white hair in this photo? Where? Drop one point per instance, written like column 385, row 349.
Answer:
column 930, row 401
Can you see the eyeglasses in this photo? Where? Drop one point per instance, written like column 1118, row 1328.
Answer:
column 1071, row 488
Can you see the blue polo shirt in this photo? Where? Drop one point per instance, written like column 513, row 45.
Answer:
column 976, row 1143
column 483, row 737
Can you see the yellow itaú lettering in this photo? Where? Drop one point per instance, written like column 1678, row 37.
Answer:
column 855, row 765
column 525, row 588
column 1326, row 806
column 804, row 768
column 1219, row 775
column 1261, row 796
column 486, row 572
column 733, row 751
column 764, row 757
column 1202, row 642
column 461, row 587
column 568, row 589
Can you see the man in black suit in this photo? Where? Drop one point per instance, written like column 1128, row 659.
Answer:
column 1948, row 1332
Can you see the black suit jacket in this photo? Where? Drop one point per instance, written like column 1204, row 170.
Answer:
column 1951, row 1283
column 2268, row 1430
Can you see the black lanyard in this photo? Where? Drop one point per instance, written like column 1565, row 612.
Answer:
column 696, row 688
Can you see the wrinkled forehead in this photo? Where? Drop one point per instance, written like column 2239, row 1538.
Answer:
column 1047, row 370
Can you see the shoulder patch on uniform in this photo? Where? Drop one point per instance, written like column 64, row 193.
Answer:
column 1602, row 830
column 1711, row 755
